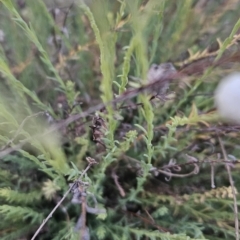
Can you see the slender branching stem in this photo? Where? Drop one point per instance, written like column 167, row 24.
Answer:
column 233, row 188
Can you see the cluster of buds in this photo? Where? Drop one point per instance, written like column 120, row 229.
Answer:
column 98, row 128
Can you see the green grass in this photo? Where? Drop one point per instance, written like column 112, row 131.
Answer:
column 51, row 80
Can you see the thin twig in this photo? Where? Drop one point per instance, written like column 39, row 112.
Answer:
column 90, row 163
column 51, row 213
column 233, row 188
column 212, row 176
column 63, row 209
column 149, row 215
column 147, row 221
column 230, row 128
column 83, row 227
column 219, row 161
column 119, row 187
column 169, row 174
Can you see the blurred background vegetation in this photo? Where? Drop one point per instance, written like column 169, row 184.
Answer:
column 154, row 178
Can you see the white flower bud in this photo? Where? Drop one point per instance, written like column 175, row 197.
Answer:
column 227, row 98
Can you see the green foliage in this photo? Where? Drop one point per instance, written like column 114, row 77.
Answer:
column 14, row 214
column 66, row 232
column 20, row 198
column 68, row 97
column 30, row 33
